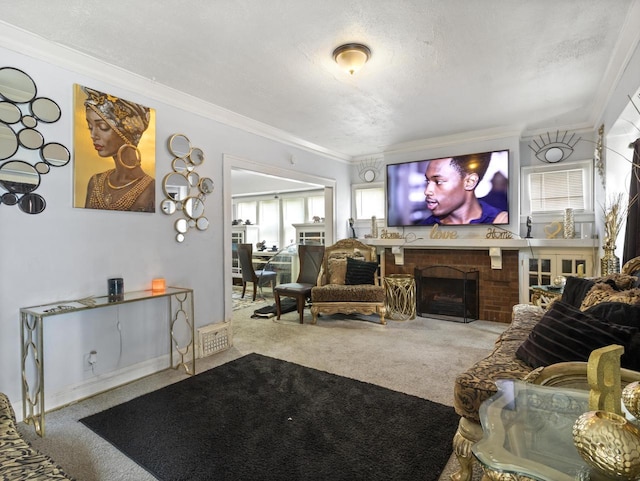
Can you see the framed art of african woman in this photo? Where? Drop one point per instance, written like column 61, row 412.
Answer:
column 114, row 153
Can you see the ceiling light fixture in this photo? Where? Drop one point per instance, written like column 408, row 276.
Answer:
column 352, row 56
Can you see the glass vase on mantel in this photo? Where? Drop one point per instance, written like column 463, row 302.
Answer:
column 610, row 263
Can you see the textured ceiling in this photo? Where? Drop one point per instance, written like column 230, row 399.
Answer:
column 438, row 67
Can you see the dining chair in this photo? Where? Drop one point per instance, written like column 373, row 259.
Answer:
column 310, row 257
column 258, row 277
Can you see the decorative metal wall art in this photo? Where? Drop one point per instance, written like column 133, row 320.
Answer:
column 21, row 111
column 368, row 170
column 553, row 149
column 183, row 188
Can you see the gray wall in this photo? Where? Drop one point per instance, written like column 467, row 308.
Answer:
column 68, row 253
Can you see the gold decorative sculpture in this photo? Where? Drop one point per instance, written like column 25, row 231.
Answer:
column 603, row 375
column 553, row 229
column 608, row 443
column 603, row 437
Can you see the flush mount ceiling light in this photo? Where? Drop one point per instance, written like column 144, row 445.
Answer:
column 352, row 56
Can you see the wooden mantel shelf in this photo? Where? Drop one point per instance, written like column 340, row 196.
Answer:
column 478, row 243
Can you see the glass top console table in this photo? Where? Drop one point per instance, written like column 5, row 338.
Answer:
column 32, row 320
column 527, row 434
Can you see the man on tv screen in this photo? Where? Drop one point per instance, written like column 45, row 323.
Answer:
column 450, row 192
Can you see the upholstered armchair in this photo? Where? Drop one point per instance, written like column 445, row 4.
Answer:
column 348, row 282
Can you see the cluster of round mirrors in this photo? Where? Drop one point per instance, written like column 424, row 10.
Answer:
column 183, row 188
column 21, row 110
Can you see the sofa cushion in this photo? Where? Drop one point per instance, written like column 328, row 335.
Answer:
column 575, row 290
column 605, row 292
column 345, row 293
column 337, row 270
column 616, row 313
column 619, row 281
column 477, row 384
column 566, row 333
column 360, row 272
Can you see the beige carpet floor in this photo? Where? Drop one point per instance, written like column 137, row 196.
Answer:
column 419, row 357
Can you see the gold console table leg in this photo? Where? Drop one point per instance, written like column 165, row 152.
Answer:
column 181, row 315
column 32, row 365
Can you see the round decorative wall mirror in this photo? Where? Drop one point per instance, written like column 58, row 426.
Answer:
column 19, row 177
column 55, row 154
column 168, row 206
column 196, row 156
column 202, row 223
column 45, row 110
column 179, row 145
column 42, row 168
column 30, row 139
column 369, row 175
column 194, row 179
column 554, row 154
column 180, row 165
column 193, row 207
column 9, row 113
column 32, row 203
column 206, row 185
column 16, row 86
column 177, row 186
column 8, row 142
column 182, row 226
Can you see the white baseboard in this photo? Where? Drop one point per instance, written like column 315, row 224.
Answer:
column 98, row 384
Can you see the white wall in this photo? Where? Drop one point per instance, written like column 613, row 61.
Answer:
column 68, row 253
column 622, row 126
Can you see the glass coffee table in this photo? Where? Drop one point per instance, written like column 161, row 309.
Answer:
column 527, row 434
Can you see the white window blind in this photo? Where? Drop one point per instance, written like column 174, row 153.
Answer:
column 247, row 211
column 292, row 213
column 269, row 220
column 556, row 190
column 315, row 207
column 369, row 202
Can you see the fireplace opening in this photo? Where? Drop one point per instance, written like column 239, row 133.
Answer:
column 447, row 293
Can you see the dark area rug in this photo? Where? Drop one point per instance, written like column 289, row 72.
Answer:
column 259, row 418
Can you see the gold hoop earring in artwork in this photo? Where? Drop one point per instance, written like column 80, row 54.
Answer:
column 124, row 164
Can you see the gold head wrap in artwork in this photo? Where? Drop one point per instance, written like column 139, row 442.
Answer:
column 128, row 119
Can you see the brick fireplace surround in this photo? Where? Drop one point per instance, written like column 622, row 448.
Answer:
column 499, row 290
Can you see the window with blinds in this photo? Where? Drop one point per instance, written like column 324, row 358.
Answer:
column 554, row 188
column 552, row 191
column 369, row 202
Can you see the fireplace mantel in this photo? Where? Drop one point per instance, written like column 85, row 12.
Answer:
column 477, row 243
column 494, row 246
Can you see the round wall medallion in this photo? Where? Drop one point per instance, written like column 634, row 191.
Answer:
column 369, row 175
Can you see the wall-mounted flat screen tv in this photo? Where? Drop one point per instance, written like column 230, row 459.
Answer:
column 470, row 189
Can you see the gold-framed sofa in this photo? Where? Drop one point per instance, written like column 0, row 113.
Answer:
column 477, row 384
column 348, row 282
